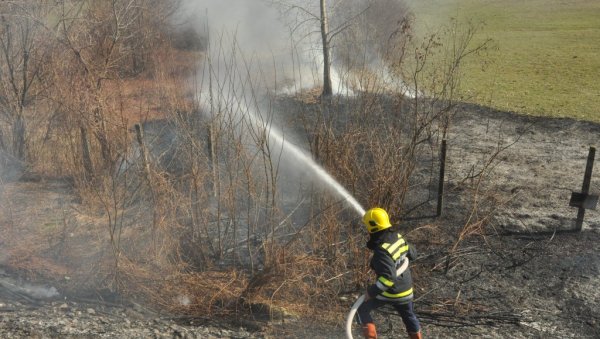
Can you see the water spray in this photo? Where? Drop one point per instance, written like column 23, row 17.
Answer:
column 313, row 166
column 277, row 140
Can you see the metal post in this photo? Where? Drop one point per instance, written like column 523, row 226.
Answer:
column 441, row 179
column 586, row 186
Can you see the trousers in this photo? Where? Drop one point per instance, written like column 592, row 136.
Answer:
column 405, row 310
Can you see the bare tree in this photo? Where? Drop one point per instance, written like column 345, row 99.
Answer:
column 325, row 41
column 24, row 48
column 302, row 17
column 103, row 43
column 352, row 32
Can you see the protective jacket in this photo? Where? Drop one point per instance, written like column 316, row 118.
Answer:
column 389, row 252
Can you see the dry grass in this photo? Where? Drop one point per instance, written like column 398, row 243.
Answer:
column 28, row 262
column 546, row 61
column 150, row 95
column 211, row 237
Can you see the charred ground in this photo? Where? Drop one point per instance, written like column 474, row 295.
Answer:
column 518, row 273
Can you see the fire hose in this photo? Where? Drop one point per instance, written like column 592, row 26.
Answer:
column 361, row 299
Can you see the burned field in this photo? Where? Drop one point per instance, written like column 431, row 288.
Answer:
column 520, row 271
column 530, row 274
column 156, row 183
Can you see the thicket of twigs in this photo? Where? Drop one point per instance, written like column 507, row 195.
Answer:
column 186, row 202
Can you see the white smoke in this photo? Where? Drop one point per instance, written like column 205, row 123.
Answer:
column 24, row 288
column 40, row 292
column 284, row 47
column 183, row 300
column 250, row 54
column 256, row 24
column 255, row 29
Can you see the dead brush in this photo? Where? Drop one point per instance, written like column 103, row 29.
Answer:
column 297, row 284
column 26, row 251
column 304, row 276
column 176, row 290
column 27, row 262
column 454, row 312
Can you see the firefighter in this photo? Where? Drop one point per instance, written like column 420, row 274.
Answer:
column 389, row 251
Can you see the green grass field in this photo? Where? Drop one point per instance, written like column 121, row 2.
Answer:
column 548, row 57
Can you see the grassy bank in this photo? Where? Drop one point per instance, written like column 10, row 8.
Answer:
column 548, row 57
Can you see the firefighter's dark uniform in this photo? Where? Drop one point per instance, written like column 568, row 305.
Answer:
column 389, row 252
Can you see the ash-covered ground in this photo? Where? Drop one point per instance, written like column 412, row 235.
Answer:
column 524, row 274
column 527, row 272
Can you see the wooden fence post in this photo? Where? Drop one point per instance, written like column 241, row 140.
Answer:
column 584, row 200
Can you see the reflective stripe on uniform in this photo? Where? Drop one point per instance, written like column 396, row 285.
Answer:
column 398, row 295
column 381, row 286
column 398, row 251
column 397, row 248
column 393, row 247
column 396, row 300
column 401, row 251
column 386, row 282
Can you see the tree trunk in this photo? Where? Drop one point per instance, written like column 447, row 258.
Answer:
column 327, row 90
column 102, row 137
column 19, row 137
column 85, row 154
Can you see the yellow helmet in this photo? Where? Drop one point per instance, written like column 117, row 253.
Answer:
column 376, row 219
